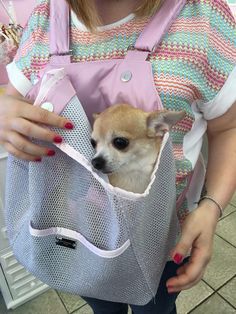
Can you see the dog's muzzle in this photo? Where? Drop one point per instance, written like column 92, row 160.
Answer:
column 99, row 163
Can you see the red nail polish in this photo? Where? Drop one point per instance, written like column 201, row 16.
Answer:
column 38, row 159
column 51, row 152
column 170, row 287
column 57, row 139
column 69, row 126
column 178, row 258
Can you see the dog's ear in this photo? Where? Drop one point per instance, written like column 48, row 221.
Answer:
column 160, row 122
column 95, row 115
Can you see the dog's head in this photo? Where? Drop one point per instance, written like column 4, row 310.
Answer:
column 123, row 135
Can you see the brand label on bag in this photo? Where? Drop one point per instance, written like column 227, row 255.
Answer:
column 66, row 242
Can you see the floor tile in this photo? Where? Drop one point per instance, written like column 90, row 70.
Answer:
column 226, row 228
column 222, row 266
column 233, row 200
column 3, row 308
column 71, row 302
column 229, row 292
column 214, row 305
column 84, row 310
column 228, row 210
column 46, row 303
column 190, row 298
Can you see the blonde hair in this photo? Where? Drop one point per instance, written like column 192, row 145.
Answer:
column 86, row 11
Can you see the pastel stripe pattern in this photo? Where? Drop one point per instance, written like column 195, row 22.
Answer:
column 192, row 62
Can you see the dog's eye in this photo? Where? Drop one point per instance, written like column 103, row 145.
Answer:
column 93, row 143
column 120, row 143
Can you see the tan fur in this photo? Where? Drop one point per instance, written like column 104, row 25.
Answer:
column 130, row 168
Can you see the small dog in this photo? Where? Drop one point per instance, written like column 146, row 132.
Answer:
column 127, row 142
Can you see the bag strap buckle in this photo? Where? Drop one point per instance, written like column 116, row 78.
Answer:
column 68, row 53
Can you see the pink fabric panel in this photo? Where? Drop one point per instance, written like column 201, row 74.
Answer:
column 60, row 95
column 140, row 91
column 98, row 84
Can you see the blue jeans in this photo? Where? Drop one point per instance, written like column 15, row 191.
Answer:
column 164, row 302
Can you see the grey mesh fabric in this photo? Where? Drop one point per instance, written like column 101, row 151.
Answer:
column 119, row 241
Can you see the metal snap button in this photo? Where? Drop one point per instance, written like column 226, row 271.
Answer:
column 126, row 76
column 47, row 106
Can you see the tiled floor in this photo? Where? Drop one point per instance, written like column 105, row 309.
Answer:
column 215, row 294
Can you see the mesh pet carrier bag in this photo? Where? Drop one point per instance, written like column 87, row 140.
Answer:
column 77, row 233
column 71, row 228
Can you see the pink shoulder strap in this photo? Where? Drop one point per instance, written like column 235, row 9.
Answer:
column 159, row 25
column 59, row 27
column 147, row 41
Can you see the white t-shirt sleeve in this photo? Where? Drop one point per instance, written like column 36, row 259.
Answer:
column 21, row 83
column 204, row 111
column 221, row 103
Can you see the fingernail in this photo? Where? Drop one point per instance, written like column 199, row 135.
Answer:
column 57, row 139
column 38, row 159
column 178, row 258
column 69, row 126
column 51, row 152
column 170, row 287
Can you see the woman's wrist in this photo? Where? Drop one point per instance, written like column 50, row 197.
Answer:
column 213, row 201
column 210, row 209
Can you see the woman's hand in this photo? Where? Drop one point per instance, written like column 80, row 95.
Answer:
column 197, row 238
column 20, row 120
column 199, row 227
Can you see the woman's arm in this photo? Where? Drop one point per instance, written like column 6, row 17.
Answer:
column 199, row 228
column 221, row 169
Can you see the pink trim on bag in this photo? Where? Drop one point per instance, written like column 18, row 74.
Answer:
column 59, row 94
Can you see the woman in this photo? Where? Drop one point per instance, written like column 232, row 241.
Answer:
column 193, row 68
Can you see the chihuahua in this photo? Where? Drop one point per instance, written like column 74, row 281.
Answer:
column 127, row 142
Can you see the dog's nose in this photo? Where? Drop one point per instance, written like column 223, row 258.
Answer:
column 98, row 163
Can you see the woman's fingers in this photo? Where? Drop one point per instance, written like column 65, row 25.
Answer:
column 20, row 143
column 196, row 240
column 13, row 109
column 19, row 154
column 39, row 115
column 20, row 121
column 189, row 274
column 32, row 130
